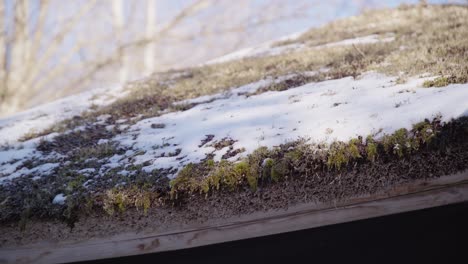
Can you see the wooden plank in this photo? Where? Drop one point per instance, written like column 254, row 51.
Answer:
column 414, row 196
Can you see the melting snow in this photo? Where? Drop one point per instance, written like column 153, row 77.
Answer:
column 326, row 111
column 11, row 172
column 264, row 49
column 269, row 48
column 13, row 152
column 371, row 39
column 42, row 117
column 59, row 199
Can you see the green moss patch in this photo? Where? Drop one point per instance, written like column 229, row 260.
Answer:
column 429, row 39
column 114, row 194
column 272, row 165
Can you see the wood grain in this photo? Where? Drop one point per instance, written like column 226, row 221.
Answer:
column 417, row 195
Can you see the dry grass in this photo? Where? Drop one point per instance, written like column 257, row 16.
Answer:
column 432, row 39
column 428, row 40
column 436, row 44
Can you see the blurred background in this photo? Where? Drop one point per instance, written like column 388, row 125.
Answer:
column 53, row 48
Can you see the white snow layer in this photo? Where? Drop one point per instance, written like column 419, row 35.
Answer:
column 37, row 119
column 59, row 199
column 320, row 112
column 264, row 49
column 42, row 117
column 371, row 39
column 325, row 111
column 270, row 49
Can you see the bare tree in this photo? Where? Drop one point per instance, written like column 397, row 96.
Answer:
column 45, row 55
column 3, row 61
column 149, row 56
column 25, row 61
column 118, row 25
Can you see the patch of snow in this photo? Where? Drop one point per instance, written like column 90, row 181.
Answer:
column 121, row 121
column 16, row 153
column 202, row 99
column 321, row 112
column 86, row 183
column 270, row 49
column 11, row 172
column 103, row 141
column 249, row 88
column 59, row 199
column 370, row 39
column 13, row 157
column 123, row 172
column 267, row 48
column 42, row 117
column 325, row 111
column 112, row 162
column 244, row 89
column 101, row 120
column 45, row 169
column 16, row 174
column 123, row 127
column 87, row 171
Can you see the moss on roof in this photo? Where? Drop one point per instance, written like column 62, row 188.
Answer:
column 427, row 40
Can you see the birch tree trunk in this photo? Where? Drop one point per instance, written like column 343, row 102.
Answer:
column 19, row 55
column 149, row 55
column 3, row 62
column 119, row 23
